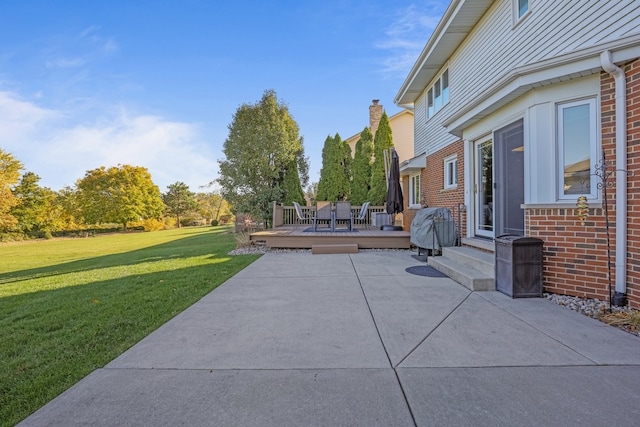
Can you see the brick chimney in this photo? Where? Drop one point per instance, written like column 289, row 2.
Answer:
column 375, row 114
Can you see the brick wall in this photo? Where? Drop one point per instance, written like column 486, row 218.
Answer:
column 632, row 71
column 407, row 214
column 432, row 182
column 575, row 256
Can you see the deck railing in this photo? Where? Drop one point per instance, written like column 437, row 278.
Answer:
column 286, row 215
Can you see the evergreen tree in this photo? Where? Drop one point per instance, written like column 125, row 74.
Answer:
column 179, row 200
column 292, row 186
column 325, row 183
column 381, row 142
column 347, row 168
column 334, row 175
column 362, row 168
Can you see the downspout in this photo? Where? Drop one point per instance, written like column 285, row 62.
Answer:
column 620, row 294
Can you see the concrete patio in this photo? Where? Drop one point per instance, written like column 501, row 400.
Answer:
column 353, row 339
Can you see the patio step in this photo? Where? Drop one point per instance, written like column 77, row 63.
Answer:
column 470, row 267
column 336, row 248
column 482, row 261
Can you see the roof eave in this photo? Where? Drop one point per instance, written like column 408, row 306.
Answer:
column 458, row 20
column 520, row 80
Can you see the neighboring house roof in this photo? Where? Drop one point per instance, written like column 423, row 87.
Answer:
column 401, row 125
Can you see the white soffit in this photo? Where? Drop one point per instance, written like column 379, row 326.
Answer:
column 454, row 26
column 414, row 164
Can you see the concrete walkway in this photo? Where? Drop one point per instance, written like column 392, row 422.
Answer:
column 353, row 339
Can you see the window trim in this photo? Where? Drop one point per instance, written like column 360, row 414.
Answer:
column 412, row 193
column 517, row 17
column 594, row 147
column 437, row 101
column 450, row 177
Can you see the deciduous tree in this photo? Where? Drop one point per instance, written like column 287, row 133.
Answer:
column 262, row 146
column 10, row 169
column 213, row 207
column 120, row 195
column 65, row 208
column 33, row 210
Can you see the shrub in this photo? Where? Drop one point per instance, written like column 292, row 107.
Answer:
column 11, row 237
column 169, row 222
column 243, row 240
column 152, row 224
column 214, row 222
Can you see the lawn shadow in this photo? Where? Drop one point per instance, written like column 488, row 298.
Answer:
column 53, row 338
column 185, row 247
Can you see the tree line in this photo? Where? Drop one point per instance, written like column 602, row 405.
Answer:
column 265, row 162
column 122, row 195
column 358, row 178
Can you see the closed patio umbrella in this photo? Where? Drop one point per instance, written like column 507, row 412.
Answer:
column 395, row 201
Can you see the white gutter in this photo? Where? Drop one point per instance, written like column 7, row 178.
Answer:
column 619, row 297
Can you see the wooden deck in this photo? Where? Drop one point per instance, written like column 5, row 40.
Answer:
column 291, row 237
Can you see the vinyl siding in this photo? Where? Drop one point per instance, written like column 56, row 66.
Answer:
column 496, row 46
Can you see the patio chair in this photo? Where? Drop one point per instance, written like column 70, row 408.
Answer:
column 301, row 217
column 323, row 214
column 362, row 216
column 343, row 214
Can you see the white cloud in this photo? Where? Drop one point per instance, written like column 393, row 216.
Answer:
column 110, row 46
column 407, row 35
column 61, row 152
column 19, row 117
column 92, row 34
column 66, row 63
column 169, row 150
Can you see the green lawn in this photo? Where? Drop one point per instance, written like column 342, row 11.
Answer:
column 68, row 307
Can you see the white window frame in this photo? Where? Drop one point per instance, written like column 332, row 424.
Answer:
column 414, row 193
column 437, row 95
column 451, row 172
column 517, row 9
column 594, row 148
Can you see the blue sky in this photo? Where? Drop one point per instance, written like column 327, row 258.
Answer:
column 85, row 84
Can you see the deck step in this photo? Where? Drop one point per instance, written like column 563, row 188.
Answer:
column 336, row 248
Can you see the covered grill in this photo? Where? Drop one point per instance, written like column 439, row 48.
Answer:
column 433, row 228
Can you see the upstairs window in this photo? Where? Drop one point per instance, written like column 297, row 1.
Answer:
column 438, row 94
column 523, row 7
column 520, row 9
